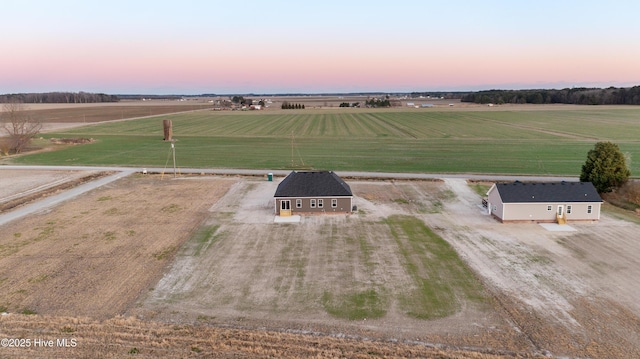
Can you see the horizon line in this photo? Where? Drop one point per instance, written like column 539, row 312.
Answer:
column 319, row 93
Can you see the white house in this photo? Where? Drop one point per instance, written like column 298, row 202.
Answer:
column 544, row 202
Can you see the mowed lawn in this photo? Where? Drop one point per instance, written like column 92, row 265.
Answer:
column 552, row 140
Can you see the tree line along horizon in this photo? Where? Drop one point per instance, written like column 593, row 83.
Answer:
column 576, row 95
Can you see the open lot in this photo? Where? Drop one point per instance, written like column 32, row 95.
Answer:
column 545, row 140
column 203, row 251
column 18, row 184
column 365, row 274
column 80, row 259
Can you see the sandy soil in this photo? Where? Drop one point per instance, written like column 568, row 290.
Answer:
column 112, row 250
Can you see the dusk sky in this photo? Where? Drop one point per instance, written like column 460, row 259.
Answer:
column 277, row 46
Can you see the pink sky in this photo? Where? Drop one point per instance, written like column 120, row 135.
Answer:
column 386, row 51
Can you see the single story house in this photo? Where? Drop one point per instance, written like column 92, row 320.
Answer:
column 315, row 192
column 544, row 202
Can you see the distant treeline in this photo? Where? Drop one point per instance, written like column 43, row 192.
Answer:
column 447, row 95
column 292, row 106
column 152, row 97
column 374, row 102
column 58, row 97
column 578, row 96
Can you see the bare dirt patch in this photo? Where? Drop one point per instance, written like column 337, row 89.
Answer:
column 71, row 141
column 18, row 188
column 249, row 272
column 61, row 116
column 15, row 182
column 99, row 112
column 96, row 254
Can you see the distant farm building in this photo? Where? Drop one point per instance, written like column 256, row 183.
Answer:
column 313, row 193
column 544, row 202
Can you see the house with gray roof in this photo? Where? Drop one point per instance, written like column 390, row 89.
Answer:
column 544, row 202
column 316, row 192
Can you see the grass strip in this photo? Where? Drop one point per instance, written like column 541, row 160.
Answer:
column 442, row 280
column 367, row 304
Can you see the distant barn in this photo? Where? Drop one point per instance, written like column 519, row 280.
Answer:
column 315, row 192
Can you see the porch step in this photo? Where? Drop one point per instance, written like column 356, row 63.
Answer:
column 561, row 219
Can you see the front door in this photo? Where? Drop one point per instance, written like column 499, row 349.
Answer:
column 560, row 210
column 285, row 207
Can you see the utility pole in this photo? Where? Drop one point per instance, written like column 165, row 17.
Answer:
column 291, row 149
column 173, row 149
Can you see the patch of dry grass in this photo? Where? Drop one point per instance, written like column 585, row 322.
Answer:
column 121, row 337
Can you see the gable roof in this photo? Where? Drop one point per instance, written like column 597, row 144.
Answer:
column 519, row 192
column 313, row 184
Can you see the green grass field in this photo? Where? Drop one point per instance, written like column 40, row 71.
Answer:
column 547, row 141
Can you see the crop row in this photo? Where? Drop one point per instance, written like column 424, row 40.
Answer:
column 532, row 142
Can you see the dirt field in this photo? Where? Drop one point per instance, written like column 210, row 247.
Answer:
column 254, row 273
column 60, row 116
column 17, row 184
column 92, row 256
column 111, row 252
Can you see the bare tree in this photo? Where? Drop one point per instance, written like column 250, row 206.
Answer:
column 18, row 125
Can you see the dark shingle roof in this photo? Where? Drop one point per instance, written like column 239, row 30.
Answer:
column 313, row 184
column 518, row 192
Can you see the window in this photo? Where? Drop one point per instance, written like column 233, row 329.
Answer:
column 298, row 203
column 549, row 208
column 312, row 203
column 569, row 209
column 320, row 203
column 589, row 209
column 334, row 203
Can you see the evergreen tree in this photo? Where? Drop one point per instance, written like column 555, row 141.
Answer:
column 605, row 167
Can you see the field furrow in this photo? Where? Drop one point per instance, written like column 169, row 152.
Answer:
column 544, row 141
